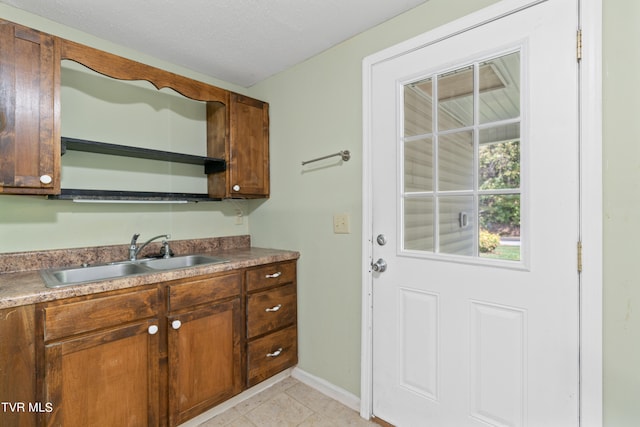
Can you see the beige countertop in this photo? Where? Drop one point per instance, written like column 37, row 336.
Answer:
column 27, row 287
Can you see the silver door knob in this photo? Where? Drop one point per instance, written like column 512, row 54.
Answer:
column 380, row 266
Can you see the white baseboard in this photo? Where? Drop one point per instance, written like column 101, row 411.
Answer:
column 325, row 387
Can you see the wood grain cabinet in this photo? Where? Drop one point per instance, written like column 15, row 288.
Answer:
column 154, row 355
column 101, row 361
column 237, row 126
column 29, row 111
column 249, row 148
column 205, row 336
column 271, row 304
column 18, row 367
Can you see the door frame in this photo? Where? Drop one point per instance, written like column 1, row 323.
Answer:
column 591, row 279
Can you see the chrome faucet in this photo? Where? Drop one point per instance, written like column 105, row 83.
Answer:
column 134, row 249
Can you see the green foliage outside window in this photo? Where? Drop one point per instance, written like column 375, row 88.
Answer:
column 500, row 169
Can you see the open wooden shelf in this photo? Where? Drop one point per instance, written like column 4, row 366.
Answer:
column 211, row 164
column 129, row 196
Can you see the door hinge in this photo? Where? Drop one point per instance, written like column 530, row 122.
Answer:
column 579, row 257
column 579, row 45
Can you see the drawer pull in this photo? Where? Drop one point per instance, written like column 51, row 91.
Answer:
column 275, row 353
column 153, row 329
column 274, row 275
column 176, row 324
column 274, row 308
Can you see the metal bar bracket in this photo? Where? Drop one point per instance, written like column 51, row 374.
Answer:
column 345, row 154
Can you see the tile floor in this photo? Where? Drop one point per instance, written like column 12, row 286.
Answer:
column 289, row 403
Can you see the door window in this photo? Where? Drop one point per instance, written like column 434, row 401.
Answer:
column 461, row 152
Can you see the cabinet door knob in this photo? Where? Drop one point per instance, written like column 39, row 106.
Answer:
column 274, row 308
column 274, row 275
column 153, row 329
column 176, row 324
column 46, row 179
column 236, row 187
column 275, row 353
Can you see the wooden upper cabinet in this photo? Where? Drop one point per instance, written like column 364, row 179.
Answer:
column 29, row 111
column 237, row 126
column 249, row 148
column 240, row 134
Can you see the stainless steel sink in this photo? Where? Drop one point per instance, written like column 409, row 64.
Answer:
column 59, row 277
column 55, row 278
column 181, row 262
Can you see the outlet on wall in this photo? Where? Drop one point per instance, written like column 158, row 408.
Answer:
column 341, row 223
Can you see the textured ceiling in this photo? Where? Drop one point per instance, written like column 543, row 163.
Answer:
column 238, row 41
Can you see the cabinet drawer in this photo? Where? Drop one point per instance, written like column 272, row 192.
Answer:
column 72, row 318
column 271, row 275
column 271, row 354
column 270, row 310
column 204, row 291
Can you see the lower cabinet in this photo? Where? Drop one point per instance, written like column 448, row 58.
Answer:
column 204, row 345
column 105, row 378
column 151, row 356
column 101, row 361
column 18, row 367
column 272, row 336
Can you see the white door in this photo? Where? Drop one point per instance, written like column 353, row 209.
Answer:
column 472, row 133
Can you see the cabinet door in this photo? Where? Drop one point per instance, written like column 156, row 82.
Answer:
column 249, row 148
column 107, row 378
column 204, row 359
column 17, row 365
column 29, row 109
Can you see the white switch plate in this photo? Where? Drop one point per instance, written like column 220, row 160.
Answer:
column 341, row 224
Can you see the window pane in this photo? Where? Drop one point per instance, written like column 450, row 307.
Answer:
column 418, row 224
column 418, row 165
column 500, row 226
column 500, row 88
column 499, row 158
column 456, row 225
column 455, row 99
column 455, row 161
column 418, row 108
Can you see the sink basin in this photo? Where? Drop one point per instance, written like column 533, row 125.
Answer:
column 59, row 277
column 181, row 262
column 56, row 278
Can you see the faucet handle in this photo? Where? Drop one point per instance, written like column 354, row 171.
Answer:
column 134, row 238
column 165, row 250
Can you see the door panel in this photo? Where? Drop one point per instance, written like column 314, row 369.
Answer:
column 462, row 337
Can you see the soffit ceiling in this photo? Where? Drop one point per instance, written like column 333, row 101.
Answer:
column 238, row 41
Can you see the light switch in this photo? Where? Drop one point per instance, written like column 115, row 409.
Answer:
column 341, row 223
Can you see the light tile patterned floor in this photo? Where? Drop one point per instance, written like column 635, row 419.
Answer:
column 289, row 403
